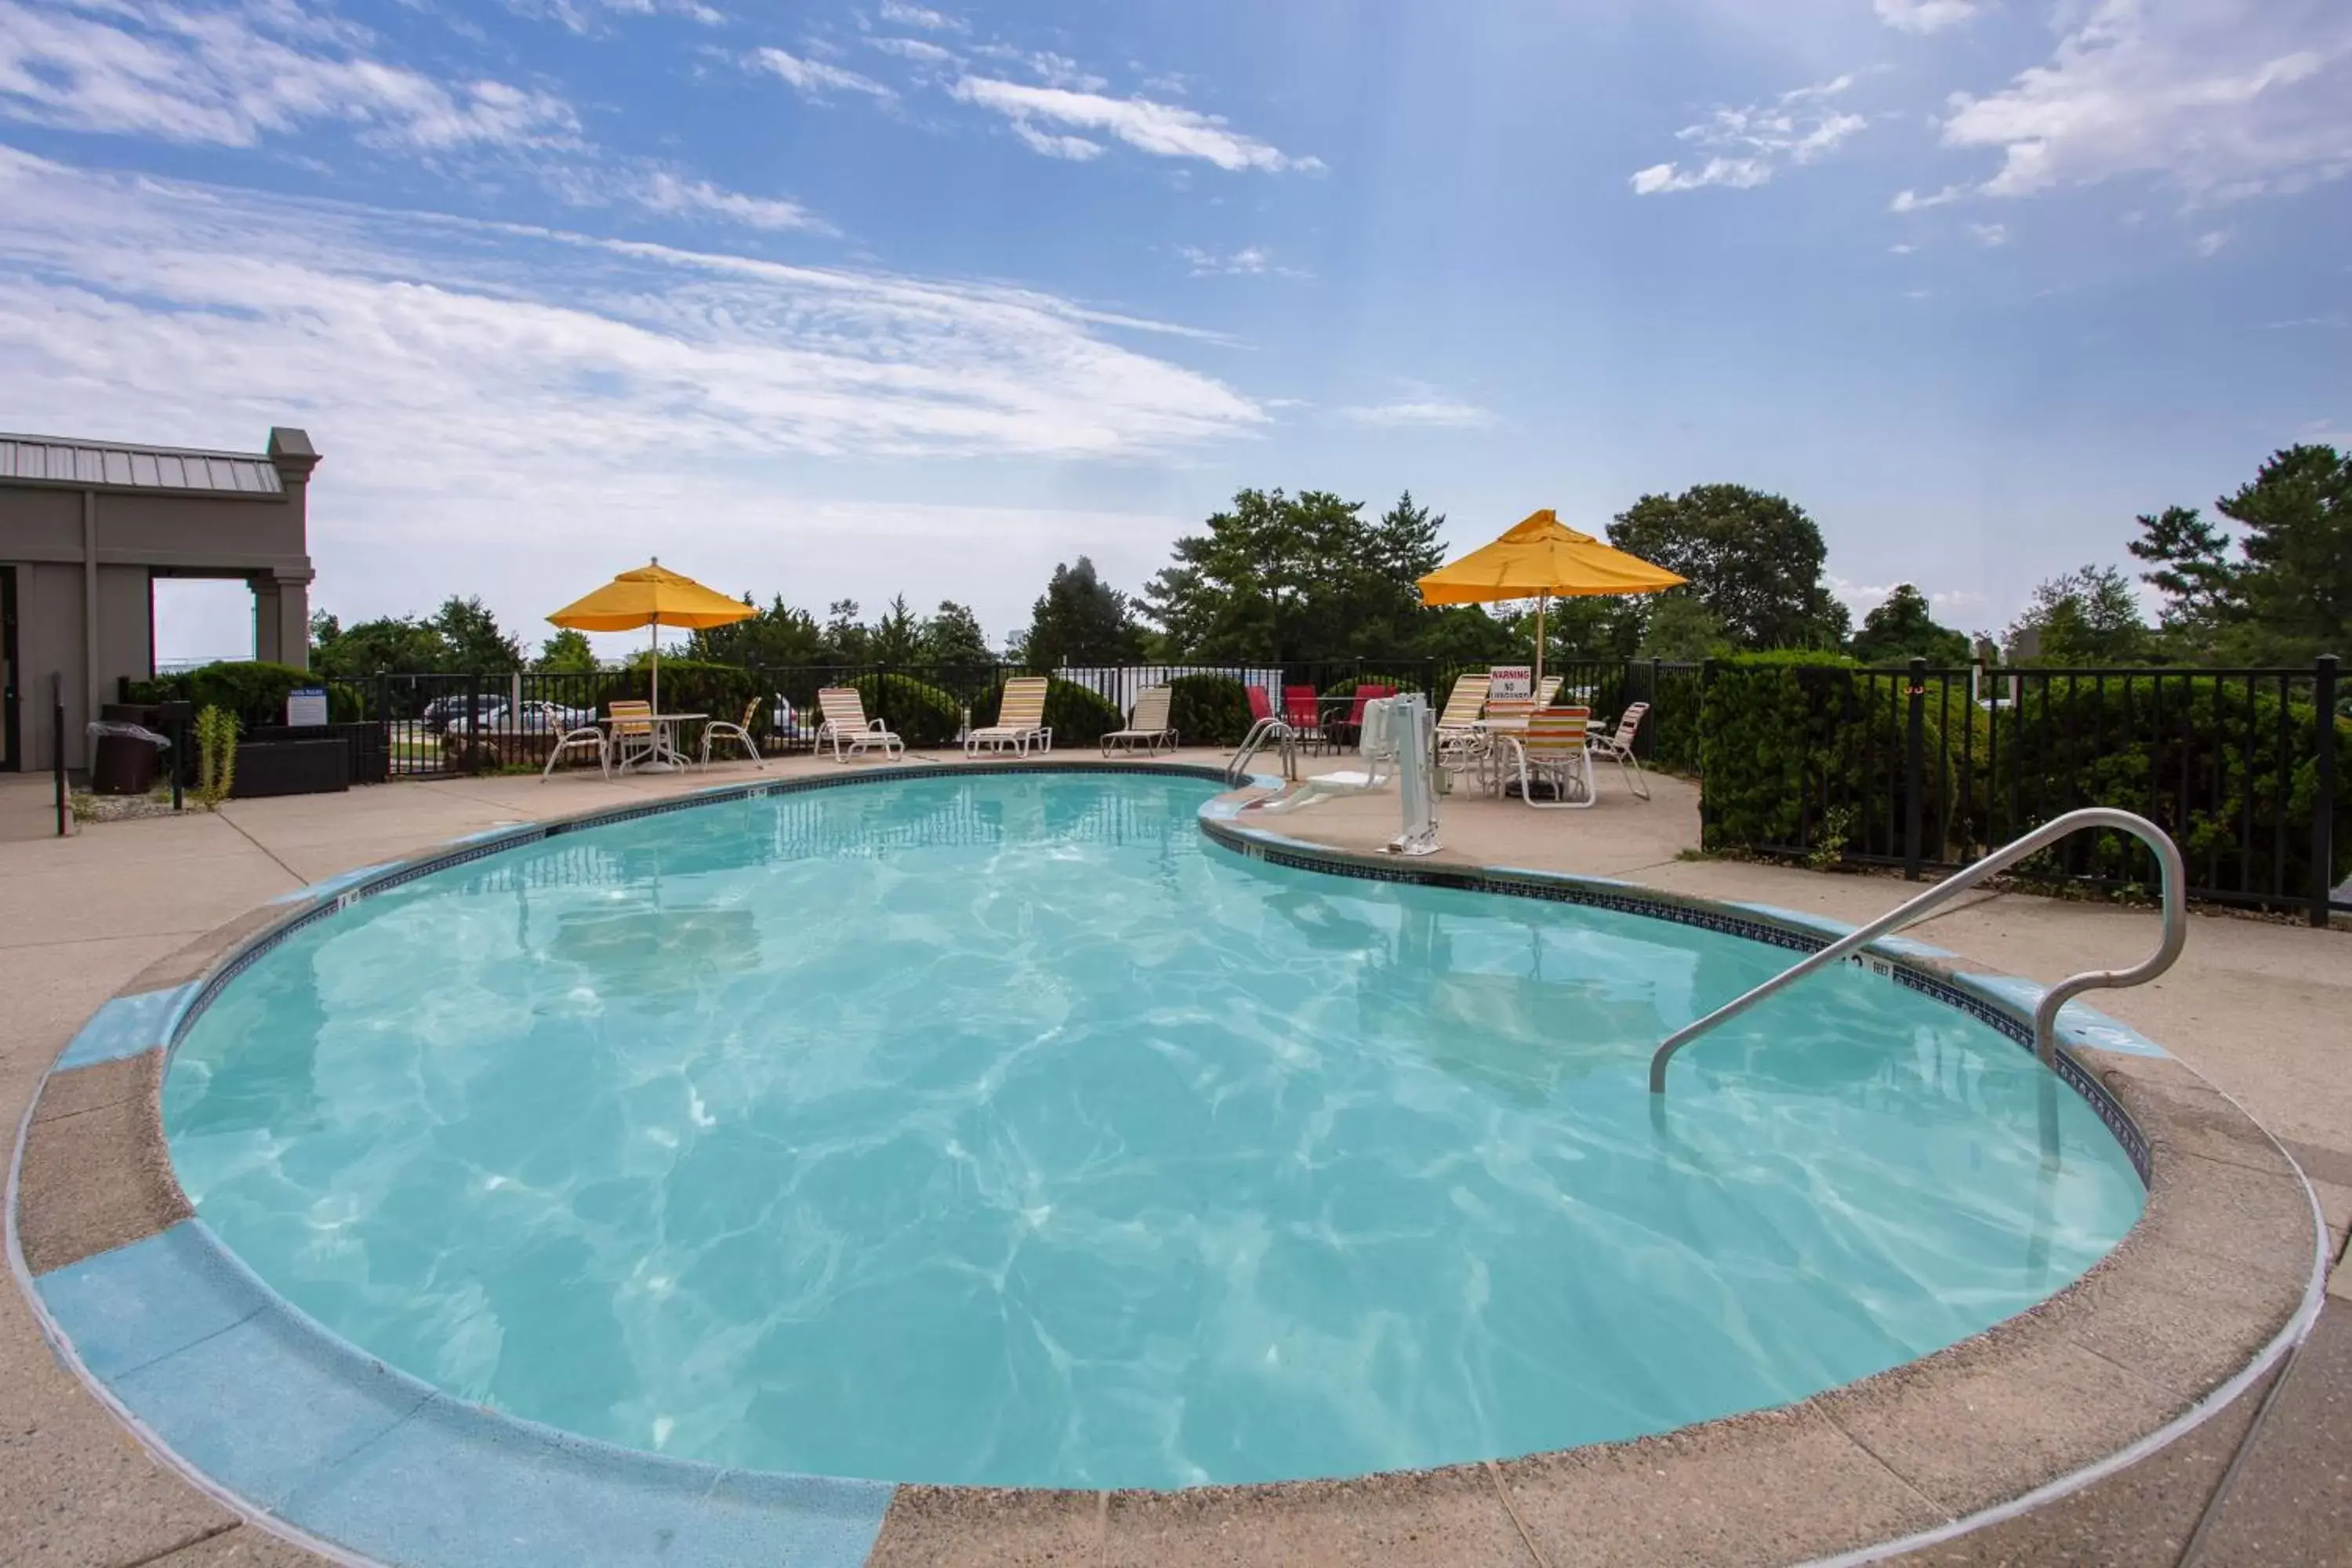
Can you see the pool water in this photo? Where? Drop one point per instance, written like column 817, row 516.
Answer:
column 1001, row 1129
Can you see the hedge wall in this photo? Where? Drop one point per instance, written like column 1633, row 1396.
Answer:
column 919, row 713
column 1208, row 709
column 254, row 691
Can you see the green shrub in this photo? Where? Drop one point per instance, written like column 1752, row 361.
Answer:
column 919, row 712
column 253, row 691
column 216, row 730
column 1208, row 709
column 1077, row 715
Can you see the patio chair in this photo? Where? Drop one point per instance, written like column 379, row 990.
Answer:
column 847, row 726
column 589, row 736
column 1020, row 719
column 1303, row 713
column 1547, row 690
column 1619, row 748
column 1148, row 723
column 1460, row 743
column 1379, row 746
column 634, row 738
column 738, row 732
column 1345, row 732
column 1552, row 748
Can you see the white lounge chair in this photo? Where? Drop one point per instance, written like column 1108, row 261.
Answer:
column 1619, row 748
column 1378, row 745
column 1552, row 748
column 847, row 726
column 738, row 732
column 1147, row 724
column 1020, row 720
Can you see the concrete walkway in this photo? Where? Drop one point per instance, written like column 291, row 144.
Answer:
column 2259, row 1008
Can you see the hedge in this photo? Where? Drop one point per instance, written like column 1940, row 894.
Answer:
column 1807, row 756
column 254, row 691
column 1078, row 715
column 1208, row 709
column 917, row 711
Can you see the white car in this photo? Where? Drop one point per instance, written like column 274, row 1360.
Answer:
column 533, row 718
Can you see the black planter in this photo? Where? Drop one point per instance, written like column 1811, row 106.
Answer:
column 291, row 767
column 370, row 761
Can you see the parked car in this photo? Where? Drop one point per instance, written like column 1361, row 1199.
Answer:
column 534, row 716
column 442, row 710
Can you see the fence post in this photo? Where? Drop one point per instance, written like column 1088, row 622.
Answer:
column 1645, row 739
column 2322, row 818
column 1915, row 745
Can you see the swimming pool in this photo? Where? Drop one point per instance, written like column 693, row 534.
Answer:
column 1000, row 1128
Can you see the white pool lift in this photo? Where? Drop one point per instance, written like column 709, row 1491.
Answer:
column 1399, row 747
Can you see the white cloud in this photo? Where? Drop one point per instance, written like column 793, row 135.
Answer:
column 1054, row 144
column 1431, row 412
column 1249, row 261
column 1912, row 200
column 1061, row 71
column 507, row 399
column 814, row 78
column 1901, row 249
column 922, row 51
column 923, row 16
column 1989, row 234
column 664, row 192
column 233, row 76
column 2210, row 243
column 1164, row 130
column 2227, row 98
column 1746, row 147
column 1925, row 16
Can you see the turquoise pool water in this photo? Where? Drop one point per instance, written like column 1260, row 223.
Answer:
column 1001, row 1129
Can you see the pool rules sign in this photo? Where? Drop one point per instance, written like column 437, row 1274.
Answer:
column 1512, row 682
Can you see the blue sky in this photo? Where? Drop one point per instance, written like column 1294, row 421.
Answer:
column 844, row 299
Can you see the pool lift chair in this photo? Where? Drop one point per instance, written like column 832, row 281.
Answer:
column 1399, row 747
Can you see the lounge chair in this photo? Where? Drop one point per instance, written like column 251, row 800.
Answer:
column 1379, row 746
column 1460, row 743
column 1552, row 748
column 1148, row 724
column 739, row 732
column 1619, row 748
column 847, row 726
column 1020, row 719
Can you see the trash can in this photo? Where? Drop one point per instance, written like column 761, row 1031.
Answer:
column 125, row 759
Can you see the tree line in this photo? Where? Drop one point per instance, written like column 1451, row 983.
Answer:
column 1276, row 579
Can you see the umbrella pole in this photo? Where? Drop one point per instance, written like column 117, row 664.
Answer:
column 1542, row 601
column 655, row 627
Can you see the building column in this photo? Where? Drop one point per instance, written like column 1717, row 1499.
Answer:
column 267, row 616
column 282, row 616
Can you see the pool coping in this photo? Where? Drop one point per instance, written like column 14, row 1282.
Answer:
column 2219, row 1278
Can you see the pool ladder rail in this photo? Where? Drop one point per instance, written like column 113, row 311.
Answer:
column 2046, row 1012
column 1267, row 731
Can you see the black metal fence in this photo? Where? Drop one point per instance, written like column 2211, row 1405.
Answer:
column 438, row 725
column 1931, row 769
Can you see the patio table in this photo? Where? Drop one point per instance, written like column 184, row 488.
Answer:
column 666, row 753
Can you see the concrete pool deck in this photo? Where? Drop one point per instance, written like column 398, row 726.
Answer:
column 79, row 918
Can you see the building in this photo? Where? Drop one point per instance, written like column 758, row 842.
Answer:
column 85, row 527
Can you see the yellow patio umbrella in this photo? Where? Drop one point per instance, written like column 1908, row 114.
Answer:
column 651, row 595
column 1542, row 559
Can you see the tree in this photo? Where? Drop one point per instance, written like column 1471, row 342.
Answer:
column 2087, row 617
column 566, row 653
column 1903, row 628
column 2194, row 574
column 473, row 636
column 1755, row 560
column 1683, row 629
column 845, row 637
column 392, row 643
column 952, row 639
column 1080, row 620
column 777, row 637
column 2295, row 593
column 897, row 637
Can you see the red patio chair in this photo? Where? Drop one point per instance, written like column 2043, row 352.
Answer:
column 1261, row 705
column 1345, row 734
column 1303, row 713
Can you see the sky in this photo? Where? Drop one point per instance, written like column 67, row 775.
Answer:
column 867, row 297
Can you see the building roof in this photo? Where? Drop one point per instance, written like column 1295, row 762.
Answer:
column 61, row 461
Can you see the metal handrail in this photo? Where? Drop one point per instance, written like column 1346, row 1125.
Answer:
column 1269, row 730
column 2046, row 1012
